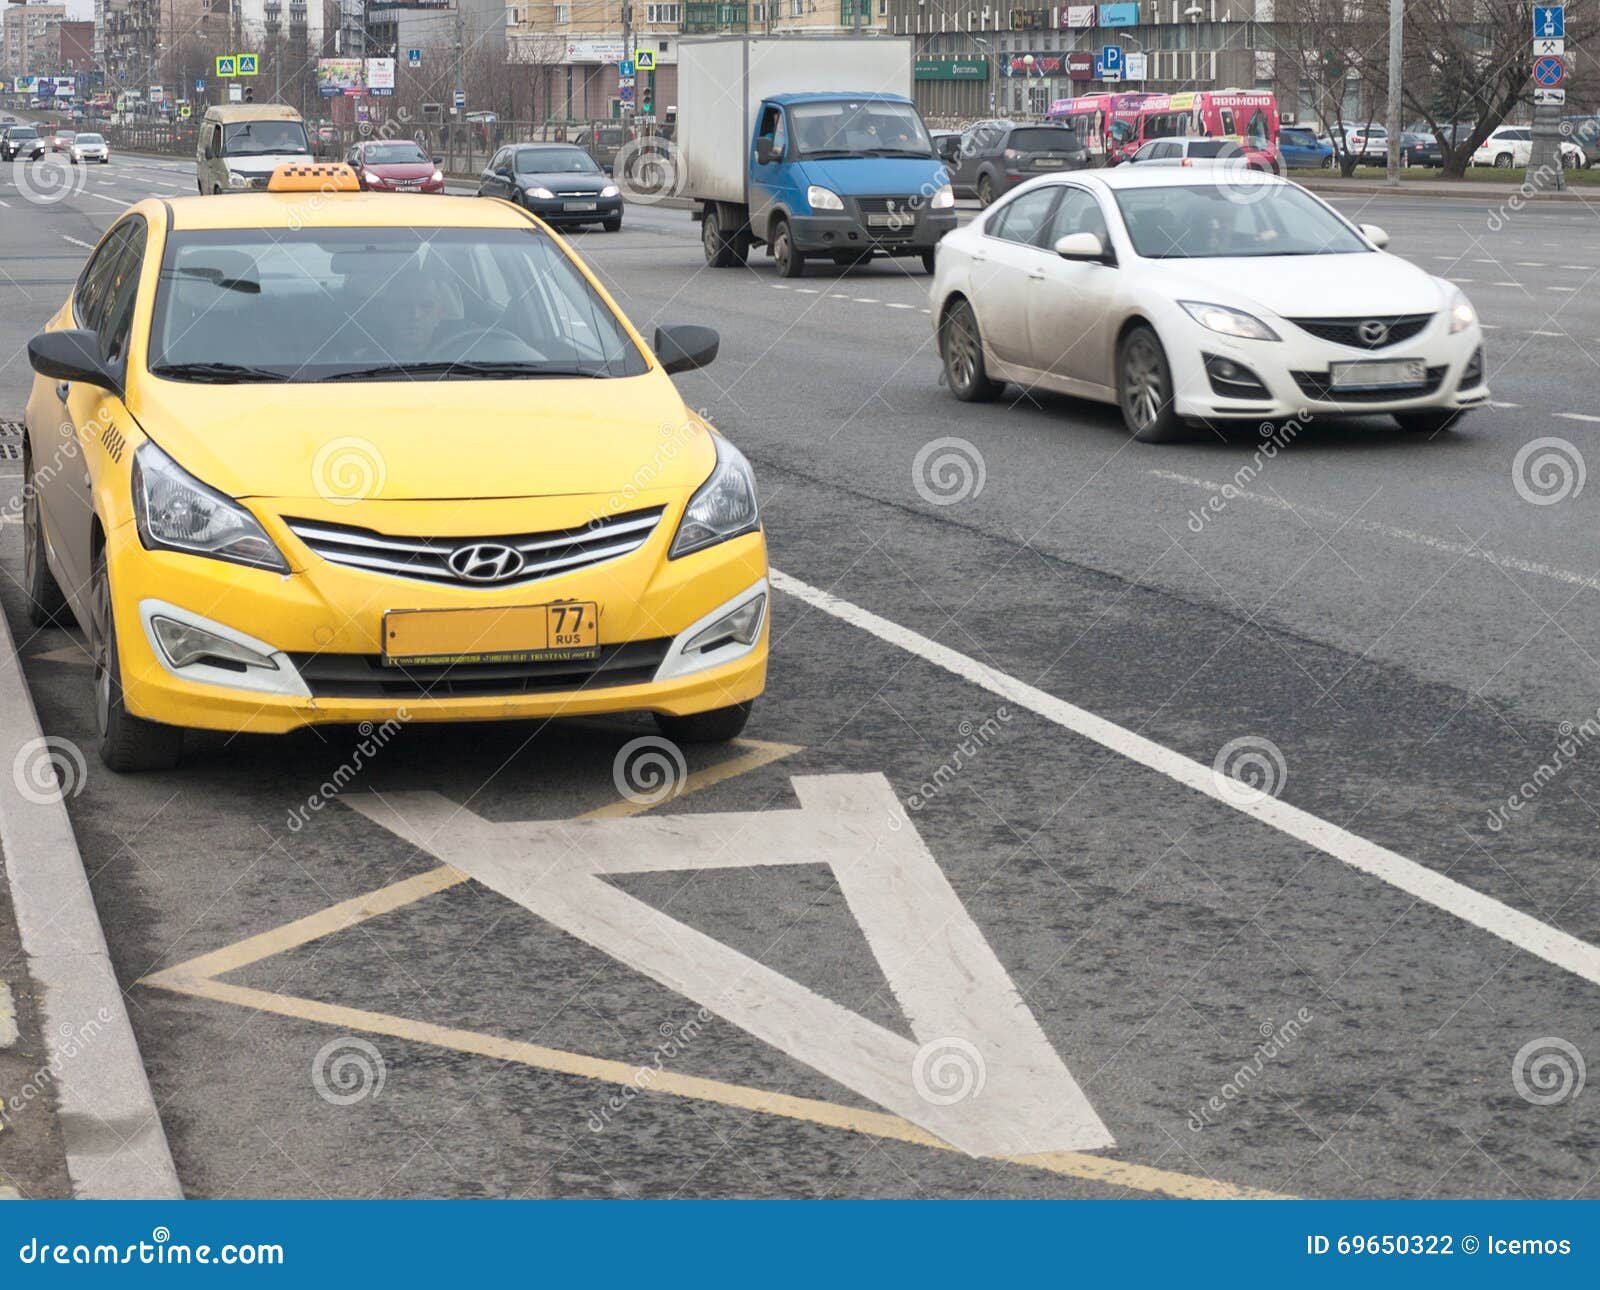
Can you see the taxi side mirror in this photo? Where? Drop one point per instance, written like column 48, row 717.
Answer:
column 72, row 355
column 686, row 346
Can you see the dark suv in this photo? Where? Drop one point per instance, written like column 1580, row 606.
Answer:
column 23, row 141
column 995, row 157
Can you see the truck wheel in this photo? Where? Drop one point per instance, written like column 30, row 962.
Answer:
column 722, row 251
column 791, row 263
column 985, row 191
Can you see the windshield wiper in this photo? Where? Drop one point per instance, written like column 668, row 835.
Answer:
column 824, row 153
column 217, row 373
column 463, row 368
column 898, row 152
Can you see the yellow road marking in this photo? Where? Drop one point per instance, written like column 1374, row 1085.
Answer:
column 197, row 977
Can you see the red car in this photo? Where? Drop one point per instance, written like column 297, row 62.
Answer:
column 63, row 141
column 395, row 166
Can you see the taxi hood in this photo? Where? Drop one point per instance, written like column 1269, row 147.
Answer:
column 424, row 440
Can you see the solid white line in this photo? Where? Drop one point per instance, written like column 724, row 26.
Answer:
column 1557, row 334
column 8, row 1017
column 1577, row 416
column 87, row 246
column 1539, row 939
column 6, row 204
column 1460, row 550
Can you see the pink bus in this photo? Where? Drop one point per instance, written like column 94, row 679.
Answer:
column 1114, row 126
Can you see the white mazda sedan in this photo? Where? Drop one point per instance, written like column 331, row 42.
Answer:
column 1200, row 295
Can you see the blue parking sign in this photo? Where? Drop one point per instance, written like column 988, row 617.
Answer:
column 1550, row 21
column 1111, row 58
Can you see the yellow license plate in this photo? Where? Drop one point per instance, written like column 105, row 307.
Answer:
column 566, row 631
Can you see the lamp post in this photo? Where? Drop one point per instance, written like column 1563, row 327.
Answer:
column 1193, row 13
column 1028, row 61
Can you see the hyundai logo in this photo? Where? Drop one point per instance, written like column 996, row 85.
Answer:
column 485, row 562
column 1373, row 332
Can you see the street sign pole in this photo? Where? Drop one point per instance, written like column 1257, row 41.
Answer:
column 1396, row 42
column 1546, row 172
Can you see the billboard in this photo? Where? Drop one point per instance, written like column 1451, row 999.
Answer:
column 1119, row 15
column 25, row 85
column 1079, row 15
column 339, row 77
column 380, row 77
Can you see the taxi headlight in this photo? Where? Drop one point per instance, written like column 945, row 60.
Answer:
column 944, row 199
column 723, row 507
column 823, row 199
column 1230, row 322
column 174, row 511
column 236, row 180
column 1462, row 314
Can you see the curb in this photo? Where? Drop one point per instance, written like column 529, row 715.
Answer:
column 115, row 1144
column 1462, row 192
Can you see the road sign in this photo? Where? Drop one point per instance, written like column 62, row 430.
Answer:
column 1549, row 98
column 625, row 93
column 226, row 65
column 1549, row 72
column 1111, row 58
column 645, row 60
column 199, row 85
column 413, row 58
column 1550, row 20
column 1552, row 48
column 460, row 99
column 235, row 92
column 625, row 82
column 247, row 64
column 625, row 69
column 184, row 111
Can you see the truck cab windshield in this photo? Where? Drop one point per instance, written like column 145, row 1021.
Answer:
column 264, row 138
column 858, row 128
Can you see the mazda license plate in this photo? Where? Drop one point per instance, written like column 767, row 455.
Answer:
column 1392, row 374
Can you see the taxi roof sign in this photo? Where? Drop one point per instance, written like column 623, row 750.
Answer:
column 297, row 177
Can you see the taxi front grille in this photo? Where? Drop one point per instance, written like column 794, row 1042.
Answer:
column 363, row 676
column 489, row 562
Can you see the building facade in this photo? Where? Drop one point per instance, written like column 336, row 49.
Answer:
column 29, row 45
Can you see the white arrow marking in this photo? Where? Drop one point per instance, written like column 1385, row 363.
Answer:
column 981, row 1074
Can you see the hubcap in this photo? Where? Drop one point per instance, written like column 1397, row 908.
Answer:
column 961, row 351
column 1143, row 390
column 709, row 232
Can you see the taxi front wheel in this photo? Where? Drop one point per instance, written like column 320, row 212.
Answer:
column 714, row 727
column 127, row 742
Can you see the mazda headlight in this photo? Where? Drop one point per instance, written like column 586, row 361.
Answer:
column 236, row 180
column 944, row 199
column 611, row 190
column 823, row 199
column 1462, row 314
column 1230, row 322
column 723, row 507
column 543, row 194
column 174, row 511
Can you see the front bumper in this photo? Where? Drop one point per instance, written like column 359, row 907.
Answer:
column 554, row 210
column 322, row 627
column 849, row 231
column 1294, row 373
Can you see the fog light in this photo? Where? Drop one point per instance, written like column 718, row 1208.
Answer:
column 740, row 627
column 185, row 644
column 1233, row 380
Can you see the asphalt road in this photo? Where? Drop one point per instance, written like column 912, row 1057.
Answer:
column 1248, row 996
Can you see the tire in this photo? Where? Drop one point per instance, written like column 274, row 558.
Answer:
column 613, row 225
column 126, row 742
column 47, row 606
column 1503, row 161
column 721, row 251
column 985, row 190
column 1327, row 162
column 961, row 348
column 927, row 261
column 1429, row 421
column 791, row 263
column 714, row 727
column 1144, row 388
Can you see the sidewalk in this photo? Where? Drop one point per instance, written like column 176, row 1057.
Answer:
column 1464, row 189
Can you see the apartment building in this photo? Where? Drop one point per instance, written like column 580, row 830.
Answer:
column 569, row 50
column 28, row 42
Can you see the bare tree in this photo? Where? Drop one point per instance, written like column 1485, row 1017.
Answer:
column 1325, row 43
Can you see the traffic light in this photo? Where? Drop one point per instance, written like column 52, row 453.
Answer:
column 249, row 93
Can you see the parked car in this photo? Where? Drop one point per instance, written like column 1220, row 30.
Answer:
column 1369, row 143
column 1302, row 150
column 997, row 156
column 395, row 166
column 603, row 141
column 1584, row 132
column 558, row 182
column 1186, row 151
column 1420, row 150
column 1512, row 146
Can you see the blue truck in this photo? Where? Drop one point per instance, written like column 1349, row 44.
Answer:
column 810, row 147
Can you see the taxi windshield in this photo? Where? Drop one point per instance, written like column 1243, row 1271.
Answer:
column 1215, row 222
column 261, row 305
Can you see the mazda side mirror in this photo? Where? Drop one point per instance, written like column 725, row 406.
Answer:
column 683, row 347
column 1082, row 246
column 1375, row 235
column 72, row 355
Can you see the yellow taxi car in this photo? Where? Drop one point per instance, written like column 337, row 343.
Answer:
column 319, row 455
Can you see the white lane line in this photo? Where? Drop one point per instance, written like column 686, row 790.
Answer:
column 895, row 306
column 1445, row 545
column 1506, row 284
column 865, row 300
column 1463, row 281
column 807, row 291
column 1537, row 938
column 1495, row 403
column 87, row 246
column 1560, row 288
column 1530, row 264
column 6, row 204
column 1556, row 334
column 1578, row 416
column 8, row 1017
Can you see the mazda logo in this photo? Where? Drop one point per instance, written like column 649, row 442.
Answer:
column 485, row 562
column 1373, row 332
